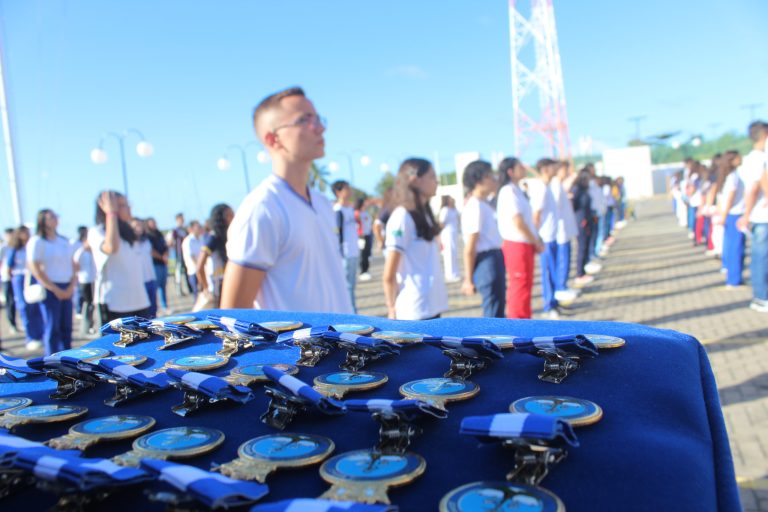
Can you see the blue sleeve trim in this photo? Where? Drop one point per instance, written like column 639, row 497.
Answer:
column 249, row 265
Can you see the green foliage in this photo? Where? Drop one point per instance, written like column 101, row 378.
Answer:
column 385, row 183
column 318, row 178
column 448, row 178
column 662, row 154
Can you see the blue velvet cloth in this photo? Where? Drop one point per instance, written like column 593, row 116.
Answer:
column 661, row 444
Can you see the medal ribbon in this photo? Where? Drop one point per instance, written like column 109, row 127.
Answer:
column 474, row 347
column 214, row 387
column 306, row 334
column 11, row 445
column 236, row 326
column 302, row 390
column 16, row 364
column 409, row 409
column 318, row 505
column 514, row 425
column 376, row 344
column 134, row 376
column 134, row 323
column 180, row 330
column 577, row 344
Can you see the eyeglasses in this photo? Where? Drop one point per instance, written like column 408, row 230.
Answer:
column 307, row 120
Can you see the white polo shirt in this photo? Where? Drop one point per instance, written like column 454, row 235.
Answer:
column 478, row 217
column 733, row 183
column 511, row 202
column 120, row 276
column 190, row 251
column 294, row 242
column 422, row 292
column 566, row 219
column 54, row 255
column 543, row 200
column 752, row 168
column 349, row 247
column 86, row 272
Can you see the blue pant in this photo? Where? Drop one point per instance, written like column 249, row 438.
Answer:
column 161, row 276
column 733, row 251
column 548, row 262
column 691, row 218
column 151, row 287
column 490, row 281
column 57, row 322
column 563, row 266
column 350, row 270
column 31, row 319
column 759, row 267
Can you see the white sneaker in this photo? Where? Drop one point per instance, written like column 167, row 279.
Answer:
column 34, row 345
column 365, row 276
column 566, row 297
column 593, row 267
column 758, row 305
column 456, row 279
column 552, row 314
column 583, row 280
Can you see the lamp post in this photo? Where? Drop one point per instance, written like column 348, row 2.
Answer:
column 365, row 161
column 224, row 163
column 143, row 149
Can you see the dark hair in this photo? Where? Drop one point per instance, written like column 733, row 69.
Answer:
column 339, row 185
column 444, row 200
column 505, row 166
column 123, row 228
column 193, row 223
column 474, row 173
column 40, row 228
column 179, row 215
column 219, row 225
column 409, row 198
column 359, row 203
column 8, row 231
column 544, row 162
column 82, row 233
column 16, row 242
column 756, row 129
column 273, row 100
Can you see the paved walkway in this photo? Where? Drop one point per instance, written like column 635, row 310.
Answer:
column 653, row 276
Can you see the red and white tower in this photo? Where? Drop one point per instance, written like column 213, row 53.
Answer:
column 538, row 94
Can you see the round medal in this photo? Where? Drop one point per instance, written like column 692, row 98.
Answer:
column 503, row 341
column 439, row 390
column 176, row 319
column 604, row 341
column 118, row 426
column 500, row 496
column 401, row 338
column 13, row 403
column 255, row 372
column 85, row 354
column 48, row 413
column 337, row 384
column 366, row 466
column 281, row 326
column 197, row 363
column 202, row 325
column 179, row 442
column 576, row 411
column 129, row 359
column 288, row 450
column 361, row 329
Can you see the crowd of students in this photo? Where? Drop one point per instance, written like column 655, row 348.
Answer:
column 723, row 204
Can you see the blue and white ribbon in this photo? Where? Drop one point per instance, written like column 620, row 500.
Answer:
column 212, row 489
column 316, row 333
column 16, row 364
column 319, row 505
column 302, row 390
column 54, row 361
column 134, row 323
column 576, row 344
column 518, row 425
column 214, row 387
column 408, row 409
column 179, row 330
column 134, row 376
column 244, row 327
column 11, row 445
column 366, row 342
column 85, row 474
column 473, row 347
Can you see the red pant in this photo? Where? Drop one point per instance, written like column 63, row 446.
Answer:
column 518, row 259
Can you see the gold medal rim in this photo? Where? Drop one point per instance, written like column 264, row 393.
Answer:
column 90, row 358
column 576, row 422
column 443, row 507
column 79, row 411
column 26, row 402
column 391, row 482
column 294, row 463
column 397, row 337
column 620, row 342
column 292, row 325
column 466, row 395
column 213, row 366
column 180, row 319
column 179, row 454
column 291, row 370
column 202, row 325
column 138, row 362
column 384, row 378
column 503, row 346
column 114, row 435
column 367, row 329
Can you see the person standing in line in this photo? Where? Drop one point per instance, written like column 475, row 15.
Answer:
column 521, row 241
column 5, row 273
column 282, row 246
column 31, row 318
column 566, row 231
column 414, row 286
column 120, row 259
column 49, row 258
column 159, row 262
column 190, row 252
column 365, row 232
column 180, row 272
column 346, row 228
column 212, row 261
column 731, row 207
column 448, row 218
column 76, row 243
column 86, row 275
column 148, row 268
column 754, row 172
column 483, row 259
column 380, row 223
column 598, row 218
column 545, row 219
column 582, row 207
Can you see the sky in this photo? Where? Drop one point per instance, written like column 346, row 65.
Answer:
column 394, row 78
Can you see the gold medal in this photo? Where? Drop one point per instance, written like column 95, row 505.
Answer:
column 197, row 363
column 576, row 411
column 176, row 319
column 129, row 359
column 202, row 325
column 259, row 457
column 84, row 354
column 49, row 413
column 602, row 341
column 171, row 443
column 13, row 403
column 361, row 329
column 282, row 325
column 337, row 384
column 439, row 390
column 254, row 373
column 109, row 428
column 401, row 338
column 500, row 496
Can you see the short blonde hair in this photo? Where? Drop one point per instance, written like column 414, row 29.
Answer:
column 272, row 102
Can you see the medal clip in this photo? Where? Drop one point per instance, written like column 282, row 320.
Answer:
column 130, row 336
column 311, row 341
column 175, row 501
column 395, row 432
column 466, row 354
column 124, row 392
column 312, row 351
column 462, row 365
column 201, row 390
column 173, row 334
column 361, row 349
column 562, row 354
column 70, row 382
column 233, row 342
column 532, row 460
column 193, row 400
column 283, row 407
column 558, row 364
column 289, row 396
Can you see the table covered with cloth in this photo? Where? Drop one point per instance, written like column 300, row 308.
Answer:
column 660, row 445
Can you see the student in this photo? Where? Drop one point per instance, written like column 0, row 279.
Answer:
column 448, row 218
column 49, row 258
column 566, row 231
column 365, row 232
column 282, row 246
column 414, row 286
column 520, row 238
column 545, row 219
column 175, row 238
column 29, row 314
column 148, row 268
column 190, row 252
column 483, row 259
column 86, row 275
column 346, row 227
column 582, row 207
column 212, row 261
column 5, row 272
column 731, row 208
column 159, row 261
column 119, row 289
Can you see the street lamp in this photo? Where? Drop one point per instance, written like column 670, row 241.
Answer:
column 365, row 161
column 224, row 164
column 144, row 149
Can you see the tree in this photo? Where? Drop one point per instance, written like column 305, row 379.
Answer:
column 385, row 183
column 318, row 177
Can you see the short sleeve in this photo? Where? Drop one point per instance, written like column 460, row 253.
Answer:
column 35, row 250
column 253, row 238
column 470, row 217
column 537, row 190
column 96, row 239
column 400, row 232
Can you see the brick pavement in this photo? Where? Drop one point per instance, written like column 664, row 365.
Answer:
column 652, row 276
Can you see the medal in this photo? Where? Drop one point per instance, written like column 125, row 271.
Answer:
column 41, row 414
column 12, row 403
column 84, row 354
column 337, row 384
column 500, row 496
column 259, row 457
column 361, row 329
column 602, row 341
column 401, row 338
column 171, row 443
column 282, row 325
column 197, row 363
column 365, row 475
column 439, row 390
column 576, row 411
column 109, row 428
column 176, row 319
column 254, row 373
column 129, row 359
column 202, row 325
